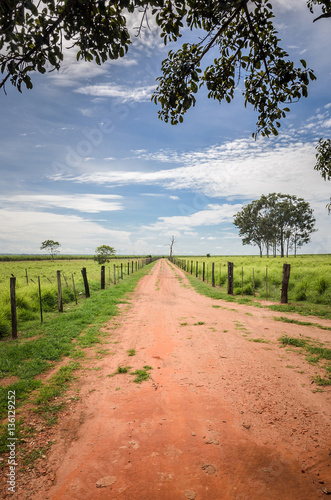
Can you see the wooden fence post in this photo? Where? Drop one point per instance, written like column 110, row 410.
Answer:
column 13, row 308
column 87, row 289
column 114, row 274
column 230, row 278
column 203, row 271
column 26, row 276
column 121, row 270
column 128, row 268
column 40, row 301
column 253, row 283
column 266, row 283
column 103, row 277
column 196, row 269
column 59, row 292
column 73, row 285
column 213, row 274
column 285, row 281
column 242, row 281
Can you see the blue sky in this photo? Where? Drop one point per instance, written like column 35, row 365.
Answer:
column 85, row 160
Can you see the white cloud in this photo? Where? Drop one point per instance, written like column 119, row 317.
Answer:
column 75, row 234
column 88, row 203
column 213, row 215
column 125, row 94
column 238, row 169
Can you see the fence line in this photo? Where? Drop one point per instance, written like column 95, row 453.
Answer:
column 140, row 263
column 203, row 274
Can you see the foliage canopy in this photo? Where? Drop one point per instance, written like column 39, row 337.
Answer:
column 33, row 36
column 103, row 253
column 276, row 221
column 51, row 246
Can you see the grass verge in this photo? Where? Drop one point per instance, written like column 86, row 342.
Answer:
column 39, row 347
column 305, row 309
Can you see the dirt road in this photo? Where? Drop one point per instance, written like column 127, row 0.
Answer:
column 223, row 417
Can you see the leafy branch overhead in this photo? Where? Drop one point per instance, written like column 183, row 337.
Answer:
column 239, row 34
column 323, row 162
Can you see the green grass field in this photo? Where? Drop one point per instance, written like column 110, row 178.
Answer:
column 310, row 279
column 27, row 293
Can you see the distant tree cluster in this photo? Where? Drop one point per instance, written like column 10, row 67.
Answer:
column 276, row 222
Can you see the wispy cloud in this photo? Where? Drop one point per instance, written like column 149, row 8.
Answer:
column 213, row 215
column 241, row 169
column 124, row 94
column 87, row 203
column 75, row 234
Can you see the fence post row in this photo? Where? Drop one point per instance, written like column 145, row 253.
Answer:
column 185, row 265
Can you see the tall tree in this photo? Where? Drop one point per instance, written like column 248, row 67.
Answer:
column 51, row 246
column 280, row 220
column 103, row 254
column 250, row 224
column 241, row 33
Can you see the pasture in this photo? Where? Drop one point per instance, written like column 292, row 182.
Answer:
column 310, row 278
column 27, row 292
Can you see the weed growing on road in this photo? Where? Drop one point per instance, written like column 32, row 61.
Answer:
column 131, row 352
column 317, row 353
column 123, row 369
column 142, row 375
column 259, row 340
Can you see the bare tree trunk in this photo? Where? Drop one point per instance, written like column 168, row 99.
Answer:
column 171, row 246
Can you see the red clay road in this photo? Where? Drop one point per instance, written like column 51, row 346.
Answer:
column 223, row 416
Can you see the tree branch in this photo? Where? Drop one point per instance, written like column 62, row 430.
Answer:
column 261, row 49
column 327, row 14
column 243, row 5
column 49, row 30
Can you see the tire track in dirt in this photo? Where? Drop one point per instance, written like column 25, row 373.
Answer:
column 229, row 418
